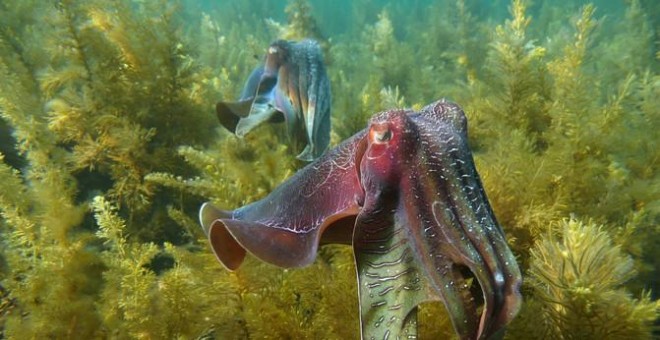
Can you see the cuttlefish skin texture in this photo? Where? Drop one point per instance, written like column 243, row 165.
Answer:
column 406, row 194
column 291, row 86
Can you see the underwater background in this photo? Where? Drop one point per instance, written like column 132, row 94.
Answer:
column 109, row 144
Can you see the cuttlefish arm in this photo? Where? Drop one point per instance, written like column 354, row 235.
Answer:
column 427, row 228
column 272, row 100
column 230, row 113
column 313, row 89
column 317, row 205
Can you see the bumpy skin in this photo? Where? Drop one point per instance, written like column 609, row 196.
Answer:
column 292, row 85
column 406, row 194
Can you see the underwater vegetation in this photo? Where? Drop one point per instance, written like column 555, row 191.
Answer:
column 109, row 143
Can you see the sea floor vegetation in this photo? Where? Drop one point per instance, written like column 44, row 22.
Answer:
column 109, row 143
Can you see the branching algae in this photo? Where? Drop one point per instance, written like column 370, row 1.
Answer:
column 114, row 145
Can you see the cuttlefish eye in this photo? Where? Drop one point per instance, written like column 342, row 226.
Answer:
column 380, row 133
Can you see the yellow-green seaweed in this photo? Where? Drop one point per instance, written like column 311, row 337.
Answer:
column 577, row 283
column 114, row 145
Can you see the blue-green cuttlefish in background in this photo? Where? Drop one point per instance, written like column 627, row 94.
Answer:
column 405, row 193
column 291, row 86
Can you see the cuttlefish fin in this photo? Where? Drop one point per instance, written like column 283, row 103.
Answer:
column 260, row 113
column 255, row 106
column 230, row 254
column 229, row 239
column 264, row 107
column 230, row 113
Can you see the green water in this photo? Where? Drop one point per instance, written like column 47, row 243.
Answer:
column 110, row 144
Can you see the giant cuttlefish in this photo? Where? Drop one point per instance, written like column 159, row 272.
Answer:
column 291, row 86
column 406, row 194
